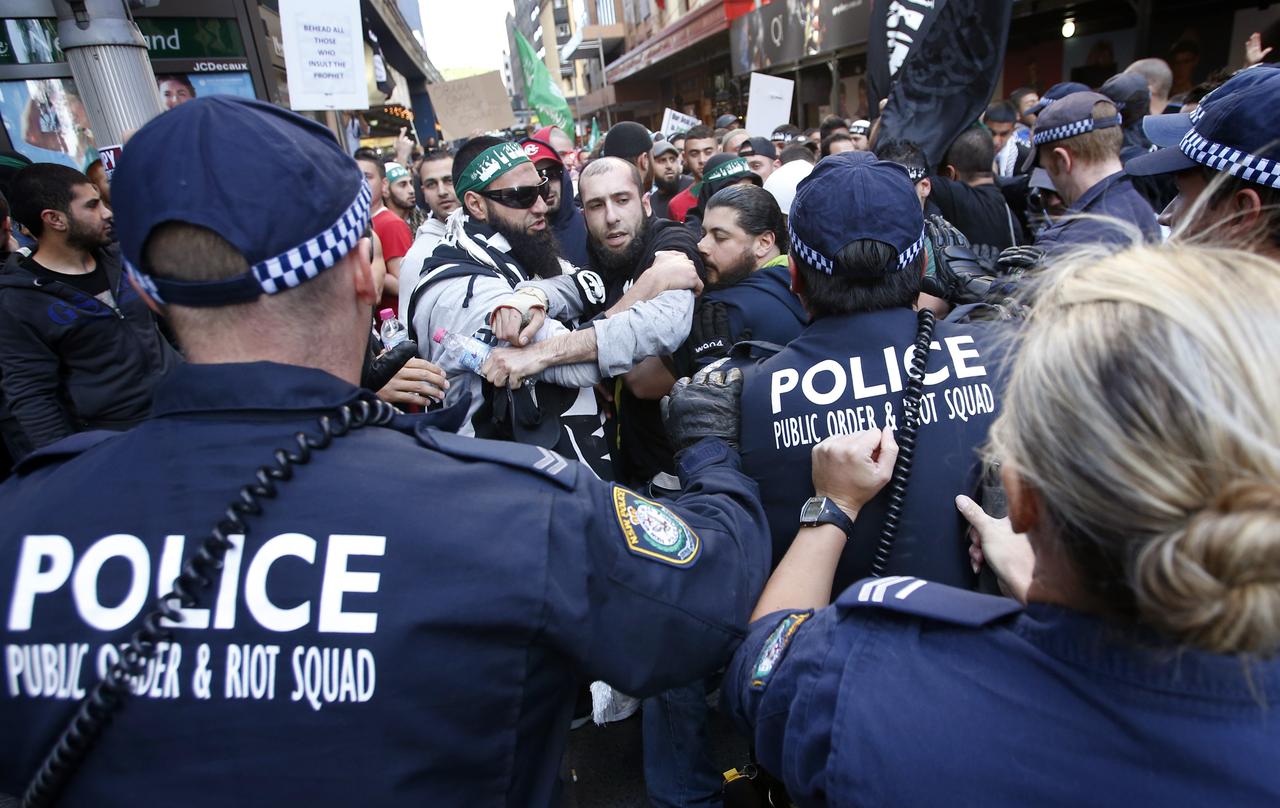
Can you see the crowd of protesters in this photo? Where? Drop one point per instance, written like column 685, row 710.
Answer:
column 1001, row 423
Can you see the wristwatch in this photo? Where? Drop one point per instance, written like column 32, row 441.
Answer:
column 824, row 511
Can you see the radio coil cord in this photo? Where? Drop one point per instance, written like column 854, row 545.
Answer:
column 199, row 575
column 906, row 438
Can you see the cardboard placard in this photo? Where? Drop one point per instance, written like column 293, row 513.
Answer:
column 474, row 104
column 769, row 105
column 673, row 121
column 324, row 54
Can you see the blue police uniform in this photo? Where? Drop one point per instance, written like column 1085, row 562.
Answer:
column 764, row 303
column 404, row 624
column 912, row 693
column 845, row 374
column 1114, row 197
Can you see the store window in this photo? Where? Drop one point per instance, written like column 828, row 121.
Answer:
column 46, row 120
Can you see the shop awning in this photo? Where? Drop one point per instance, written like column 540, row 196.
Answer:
column 704, row 21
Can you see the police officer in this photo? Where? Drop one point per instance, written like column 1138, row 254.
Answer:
column 1140, row 667
column 1078, row 141
column 1218, row 157
column 388, row 613
column 857, row 234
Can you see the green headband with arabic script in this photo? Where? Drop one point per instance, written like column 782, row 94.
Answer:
column 488, row 165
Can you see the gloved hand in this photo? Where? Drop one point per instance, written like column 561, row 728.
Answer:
column 1016, row 260
column 959, row 275
column 710, row 334
column 380, row 371
column 706, row 406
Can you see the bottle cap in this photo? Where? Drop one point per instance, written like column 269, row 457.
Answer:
column 440, row 334
column 387, row 314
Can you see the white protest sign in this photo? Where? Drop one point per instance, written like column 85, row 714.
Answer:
column 324, row 54
column 769, row 105
column 673, row 121
column 472, row 105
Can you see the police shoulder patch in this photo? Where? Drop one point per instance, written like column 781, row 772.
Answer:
column 654, row 532
column 775, row 647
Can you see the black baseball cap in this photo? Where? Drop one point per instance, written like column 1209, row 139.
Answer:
column 754, row 146
column 627, row 140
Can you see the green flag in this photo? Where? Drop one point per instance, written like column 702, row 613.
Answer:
column 595, row 135
column 544, row 94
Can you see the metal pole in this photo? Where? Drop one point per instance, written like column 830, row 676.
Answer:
column 604, row 85
column 108, row 59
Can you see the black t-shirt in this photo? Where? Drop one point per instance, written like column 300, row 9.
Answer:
column 660, row 200
column 979, row 212
column 95, row 284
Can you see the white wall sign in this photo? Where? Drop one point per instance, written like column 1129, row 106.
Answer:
column 324, row 54
column 769, row 105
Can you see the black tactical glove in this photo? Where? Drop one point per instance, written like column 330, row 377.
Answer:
column 959, row 276
column 1014, row 261
column 705, row 406
column 710, row 335
column 381, row 370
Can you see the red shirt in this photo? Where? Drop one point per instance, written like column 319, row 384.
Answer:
column 394, row 234
column 396, row 238
column 680, row 205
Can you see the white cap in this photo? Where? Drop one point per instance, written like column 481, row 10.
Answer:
column 783, row 181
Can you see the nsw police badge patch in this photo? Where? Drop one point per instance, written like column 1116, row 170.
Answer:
column 654, row 532
column 775, row 647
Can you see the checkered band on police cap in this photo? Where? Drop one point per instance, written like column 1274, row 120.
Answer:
column 309, row 259
column 1230, row 161
column 1072, row 129
column 824, row 264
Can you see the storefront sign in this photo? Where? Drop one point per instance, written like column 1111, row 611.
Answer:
column 191, row 37
column 324, row 54
column 787, row 31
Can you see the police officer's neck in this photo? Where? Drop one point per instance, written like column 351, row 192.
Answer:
column 266, row 339
column 1076, row 183
column 1056, row 580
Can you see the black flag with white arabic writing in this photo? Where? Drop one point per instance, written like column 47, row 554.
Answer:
column 938, row 61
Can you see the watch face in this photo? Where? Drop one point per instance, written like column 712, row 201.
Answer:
column 811, row 511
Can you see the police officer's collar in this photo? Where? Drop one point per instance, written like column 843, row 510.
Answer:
column 1095, row 191
column 250, row 386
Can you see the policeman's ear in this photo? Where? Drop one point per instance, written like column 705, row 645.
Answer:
column 1245, row 210
column 474, row 203
column 1025, row 504
column 366, row 285
column 950, row 172
column 797, row 281
column 1064, row 159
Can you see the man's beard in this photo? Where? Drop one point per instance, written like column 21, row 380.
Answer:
column 538, row 253
column 742, row 266
column 84, row 238
column 618, row 266
column 669, row 187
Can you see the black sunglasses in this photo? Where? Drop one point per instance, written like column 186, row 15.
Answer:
column 521, row 196
column 551, row 174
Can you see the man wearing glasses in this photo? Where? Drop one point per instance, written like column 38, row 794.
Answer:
column 563, row 215
column 500, row 238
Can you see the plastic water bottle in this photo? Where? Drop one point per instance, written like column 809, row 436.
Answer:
column 392, row 330
column 467, row 352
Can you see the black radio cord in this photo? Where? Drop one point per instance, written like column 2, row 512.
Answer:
column 199, row 575
column 906, row 438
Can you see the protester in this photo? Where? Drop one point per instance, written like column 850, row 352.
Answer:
column 427, row 628
column 786, row 135
column 1159, row 80
column 699, row 145
column 435, row 174
column 727, row 121
column 965, row 194
column 79, row 349
column 392, row 230
column 857, row 240
column 1078, row 142
column 721, row 171
column 398, row 194
column 831, row 125
column 563, row 215
column 1142, row 644
column 859, row 134
column 792, row 153
column 748, row 292
column 733, row 140
column 630, row 141
column 837, row 143
column 1132, row 98
column 1001, row 121
column 667, row 179
column 761, row 156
